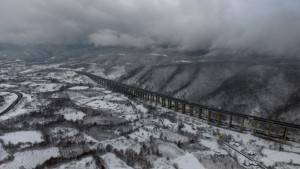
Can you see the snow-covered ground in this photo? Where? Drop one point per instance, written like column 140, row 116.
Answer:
column 114, row 73
column 27, row 104
column 84, row 163
column 9, row 98
column 69, row 77
column 3, row 154
column 79, row 88
column 18, row 137
column 113, row 162
column 45, row 87
column 170, row 150
column 271, row 157
column 31, row 158
column 37, row 68
column 109, row 101
column 144, row 134
column 6, row 86
column 162, row 163
column 188, row 161
column 166, row 139
column 59, row 133
column 213, row 146
column 71, row 114
column 122, row 143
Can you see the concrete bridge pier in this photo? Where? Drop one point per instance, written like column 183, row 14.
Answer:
column 169, row 103
column 208, row 115
column 176, row 105
column 269, row 129
column 284, row 136
column 183, row 108
column 200, row 112
column 230, row 121
column 219, row 119
column 243, row 124
column 163, row 100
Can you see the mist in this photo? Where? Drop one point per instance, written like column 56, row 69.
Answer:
column 263, row 26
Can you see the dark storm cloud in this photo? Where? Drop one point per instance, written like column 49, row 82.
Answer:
column 266, row 26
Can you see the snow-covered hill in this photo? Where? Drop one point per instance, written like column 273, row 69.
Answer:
column 246, row 83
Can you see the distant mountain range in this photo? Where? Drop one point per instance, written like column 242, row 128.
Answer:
column 242, row 82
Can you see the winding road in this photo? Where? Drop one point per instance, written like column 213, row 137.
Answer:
column 14, row 103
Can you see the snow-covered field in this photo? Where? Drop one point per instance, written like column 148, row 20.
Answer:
column 188, row 161
column 9, row 98
column 18, row 137
column 114, row 73
column 122, row 143
column 84, row 163
column 271, row 157
column 79, row 88
column 109, row 101
column 3, row 154
column 31, row 158
column 7, row 86
column 59, row 133
column 113, row 162
column 45, row 87
column 27, row 104
column 69, row 77
column 85, row 124
column 71, row 114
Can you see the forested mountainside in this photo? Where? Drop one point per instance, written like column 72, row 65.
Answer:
column 240, row 82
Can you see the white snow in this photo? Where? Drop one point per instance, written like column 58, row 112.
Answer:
column 122, row 143
column 63, row 132
column 27, row 104
column 72, row 114
column 22, row 137
column 9, row 98
column 45, row 87
column 170, row 150
column 214, row 147
column 189, row 129
column 142, row 108
column 115, row 103
column 5, row 86
column 84, row 163
column 116, row 71
column 143, row 134
column 70, row 77
column 79, row 88
column 3, row 153
column 36, row 68
column 162, row 163
column 31, row 158
column 113, row 162
column 174, row 137
column 271, row 157
column 188, row 161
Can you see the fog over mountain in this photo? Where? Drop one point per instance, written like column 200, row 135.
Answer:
column 262, row 26
column 76, row 78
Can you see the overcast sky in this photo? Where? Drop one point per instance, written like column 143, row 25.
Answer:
column 266, row 26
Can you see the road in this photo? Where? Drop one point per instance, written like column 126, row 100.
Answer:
column 11, row 106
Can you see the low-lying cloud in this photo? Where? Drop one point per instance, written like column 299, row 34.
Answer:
column 264, row 26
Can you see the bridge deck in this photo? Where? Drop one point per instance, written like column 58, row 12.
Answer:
column 214, row 116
